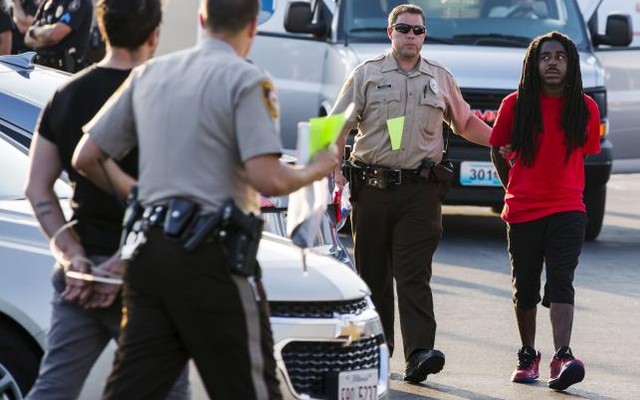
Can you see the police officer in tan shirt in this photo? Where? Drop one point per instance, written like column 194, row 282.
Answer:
column 397, row 181
column 206, row 124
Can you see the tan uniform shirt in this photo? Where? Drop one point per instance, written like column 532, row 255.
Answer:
column 196, row 116
column 426, row 97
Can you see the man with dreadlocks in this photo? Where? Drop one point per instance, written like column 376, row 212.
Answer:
column 551, row 126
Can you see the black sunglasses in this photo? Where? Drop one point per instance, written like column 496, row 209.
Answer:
column 405, row 28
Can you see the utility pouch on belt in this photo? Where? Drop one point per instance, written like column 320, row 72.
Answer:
column 240, row 236
column 180, row 214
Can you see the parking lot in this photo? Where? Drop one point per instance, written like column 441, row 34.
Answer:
column 477, row 328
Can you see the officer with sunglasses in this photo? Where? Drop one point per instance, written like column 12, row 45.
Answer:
column 397, row 182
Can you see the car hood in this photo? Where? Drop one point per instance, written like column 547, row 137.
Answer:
column 284, row 278
column 482, row 67
column 325, row 278
column 25, row 91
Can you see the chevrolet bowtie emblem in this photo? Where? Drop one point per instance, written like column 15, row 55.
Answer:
column 351, row 331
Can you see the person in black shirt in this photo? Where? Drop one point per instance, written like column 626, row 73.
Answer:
column 5, row 30
column 60, row 33
column 86, row 315
column 22, row 14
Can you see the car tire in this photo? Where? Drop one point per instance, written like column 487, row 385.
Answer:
column 594, row 200
column 19, row 361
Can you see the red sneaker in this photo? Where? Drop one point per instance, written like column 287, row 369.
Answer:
column 527, row 368
column 565, row 369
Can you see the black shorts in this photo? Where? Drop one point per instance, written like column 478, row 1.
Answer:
column 556, row 242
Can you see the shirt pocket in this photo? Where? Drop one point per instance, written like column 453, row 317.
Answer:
column 385, row 104
column 432, row 113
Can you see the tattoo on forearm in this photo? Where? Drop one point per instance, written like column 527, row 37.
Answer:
column 43, row 208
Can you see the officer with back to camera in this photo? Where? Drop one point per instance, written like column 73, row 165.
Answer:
column 206, row 123
column 60, row 32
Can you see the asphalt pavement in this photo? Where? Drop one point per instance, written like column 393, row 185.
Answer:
column 476, row 326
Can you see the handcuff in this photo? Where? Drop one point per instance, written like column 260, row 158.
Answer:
column 110, row 278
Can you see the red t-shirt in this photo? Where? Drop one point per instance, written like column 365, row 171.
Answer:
column 550, row 185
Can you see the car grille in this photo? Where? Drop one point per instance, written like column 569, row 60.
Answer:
column 310, row 309
column 484, row 102
column 309, row 363
column 484, row 99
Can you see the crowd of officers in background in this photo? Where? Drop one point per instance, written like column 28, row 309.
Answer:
column 61, row 32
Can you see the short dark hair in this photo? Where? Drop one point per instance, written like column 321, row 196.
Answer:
column 405, row 9
column 231, row 15
column 128, row 23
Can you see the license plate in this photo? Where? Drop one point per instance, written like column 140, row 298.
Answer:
column 478, row 173
column 358, row 385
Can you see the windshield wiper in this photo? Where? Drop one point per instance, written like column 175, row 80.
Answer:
column 495, row 39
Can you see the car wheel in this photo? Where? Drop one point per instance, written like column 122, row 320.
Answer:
column 19, row 362
column 594, row 200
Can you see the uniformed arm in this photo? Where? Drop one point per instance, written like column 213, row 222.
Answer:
column 39, row 37
column 99, row 168
column 476, row 131
column 22, row 20
column 45, row 168
column 271, row 177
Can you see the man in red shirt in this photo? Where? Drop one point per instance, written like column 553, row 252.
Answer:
column 551, row 126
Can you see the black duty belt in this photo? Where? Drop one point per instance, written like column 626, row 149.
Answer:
column 154, row 215
column 384, row 177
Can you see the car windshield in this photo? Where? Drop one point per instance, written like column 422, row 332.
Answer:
column 15, row 164
column 511, row 23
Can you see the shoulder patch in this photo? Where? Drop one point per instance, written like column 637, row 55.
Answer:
column 270, row 98
column 66, row 18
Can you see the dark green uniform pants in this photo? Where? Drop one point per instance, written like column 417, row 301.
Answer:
column 395, row 233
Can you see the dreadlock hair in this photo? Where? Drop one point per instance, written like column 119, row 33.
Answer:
column 528, row 118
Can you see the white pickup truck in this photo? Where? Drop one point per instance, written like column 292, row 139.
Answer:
column 310, row 47
column 622, row 80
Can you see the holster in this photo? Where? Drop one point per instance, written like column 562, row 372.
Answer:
column 443, row 171
column 436, row 172
column 240, row 236
column 354, row 175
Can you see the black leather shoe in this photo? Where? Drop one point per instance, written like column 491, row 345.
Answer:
column 422, row 363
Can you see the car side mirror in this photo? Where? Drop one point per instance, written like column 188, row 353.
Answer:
column 298, row 18
column 618, row 31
